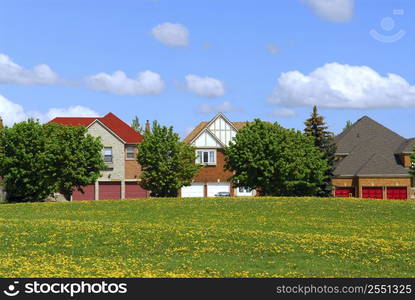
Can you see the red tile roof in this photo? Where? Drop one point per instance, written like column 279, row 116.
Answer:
column 116, row 125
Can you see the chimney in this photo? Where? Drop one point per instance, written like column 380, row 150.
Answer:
column 148, row 125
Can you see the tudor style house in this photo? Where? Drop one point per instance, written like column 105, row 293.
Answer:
column 373, row 162
column 209, row 139
column 120, row 179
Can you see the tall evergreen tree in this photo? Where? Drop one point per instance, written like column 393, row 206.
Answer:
column 323, row 139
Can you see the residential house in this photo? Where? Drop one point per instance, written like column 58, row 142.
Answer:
column 210, row 139
column 373, row 162
column 120, row 179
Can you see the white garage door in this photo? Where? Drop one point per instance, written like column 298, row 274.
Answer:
column 214, row 188
column 194, row 190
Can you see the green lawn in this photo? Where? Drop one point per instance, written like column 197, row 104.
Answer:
column 234, row 237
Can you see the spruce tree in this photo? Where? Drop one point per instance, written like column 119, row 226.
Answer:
column 323, row 139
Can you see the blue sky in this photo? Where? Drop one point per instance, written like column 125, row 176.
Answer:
column 267, row 59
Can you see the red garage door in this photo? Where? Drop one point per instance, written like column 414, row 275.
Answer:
column 397, row 193
column 89, row 193
column 372, row 192
column 133, row 190
column 344, row 192
column 109, row 190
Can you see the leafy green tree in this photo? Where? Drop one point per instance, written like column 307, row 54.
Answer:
column 135, row 124
column 323, row 139
column 348, row 124
column 25, row 165
column 413, row 162
column 277, row 161
column 37, row 160
column 167, row 163
column 78, row 157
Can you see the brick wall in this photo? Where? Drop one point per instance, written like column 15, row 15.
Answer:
column 406, row 158
column 132, row 168
column 385, row 181
column 213, row 173
column 343, row 181
column 359, row 182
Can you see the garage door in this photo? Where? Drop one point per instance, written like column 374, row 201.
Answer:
column 89, row 193
column 194, row 190
column 214, row 188
column 109, row 190
column 344, row 192
column 372, row 192
column 397, row 193
column 133, row 191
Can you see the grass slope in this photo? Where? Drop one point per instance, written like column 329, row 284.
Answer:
column 255, row 237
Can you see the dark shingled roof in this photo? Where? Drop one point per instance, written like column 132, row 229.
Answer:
column 371, row 149
column 407, row 147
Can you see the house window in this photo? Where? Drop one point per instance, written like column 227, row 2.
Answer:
column 108, row 154
column 244, row 190
column 206, row 157
column 130, row 152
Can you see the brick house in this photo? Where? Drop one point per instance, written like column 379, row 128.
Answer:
column 209, row 139
column 373, row 162
column 120, row 179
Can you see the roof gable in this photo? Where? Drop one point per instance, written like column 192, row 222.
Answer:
column 219, row 127
column 122, row 129
column 118, row 127
column 363, row 129
column 207, row 139
column 370, row 149
column 407, row 146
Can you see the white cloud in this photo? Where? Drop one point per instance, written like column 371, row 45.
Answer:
column 146, row 82
column 173, row 35
column 332, row 10
column 72, row 111
column 11, row 72
column 205, row 86
column 283, row 113
column 272, row 49
column 223, row 107
column 12, row 113
column 343, row 86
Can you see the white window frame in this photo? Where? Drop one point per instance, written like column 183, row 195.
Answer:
column 209, row 162
column 105, row 155
column 245, row 190
column 127, row 152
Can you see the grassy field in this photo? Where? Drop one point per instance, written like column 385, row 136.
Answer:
column 250, row 237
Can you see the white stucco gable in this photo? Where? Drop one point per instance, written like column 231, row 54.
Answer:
column 223, row 129
column 217, row 134
column 207, row 140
